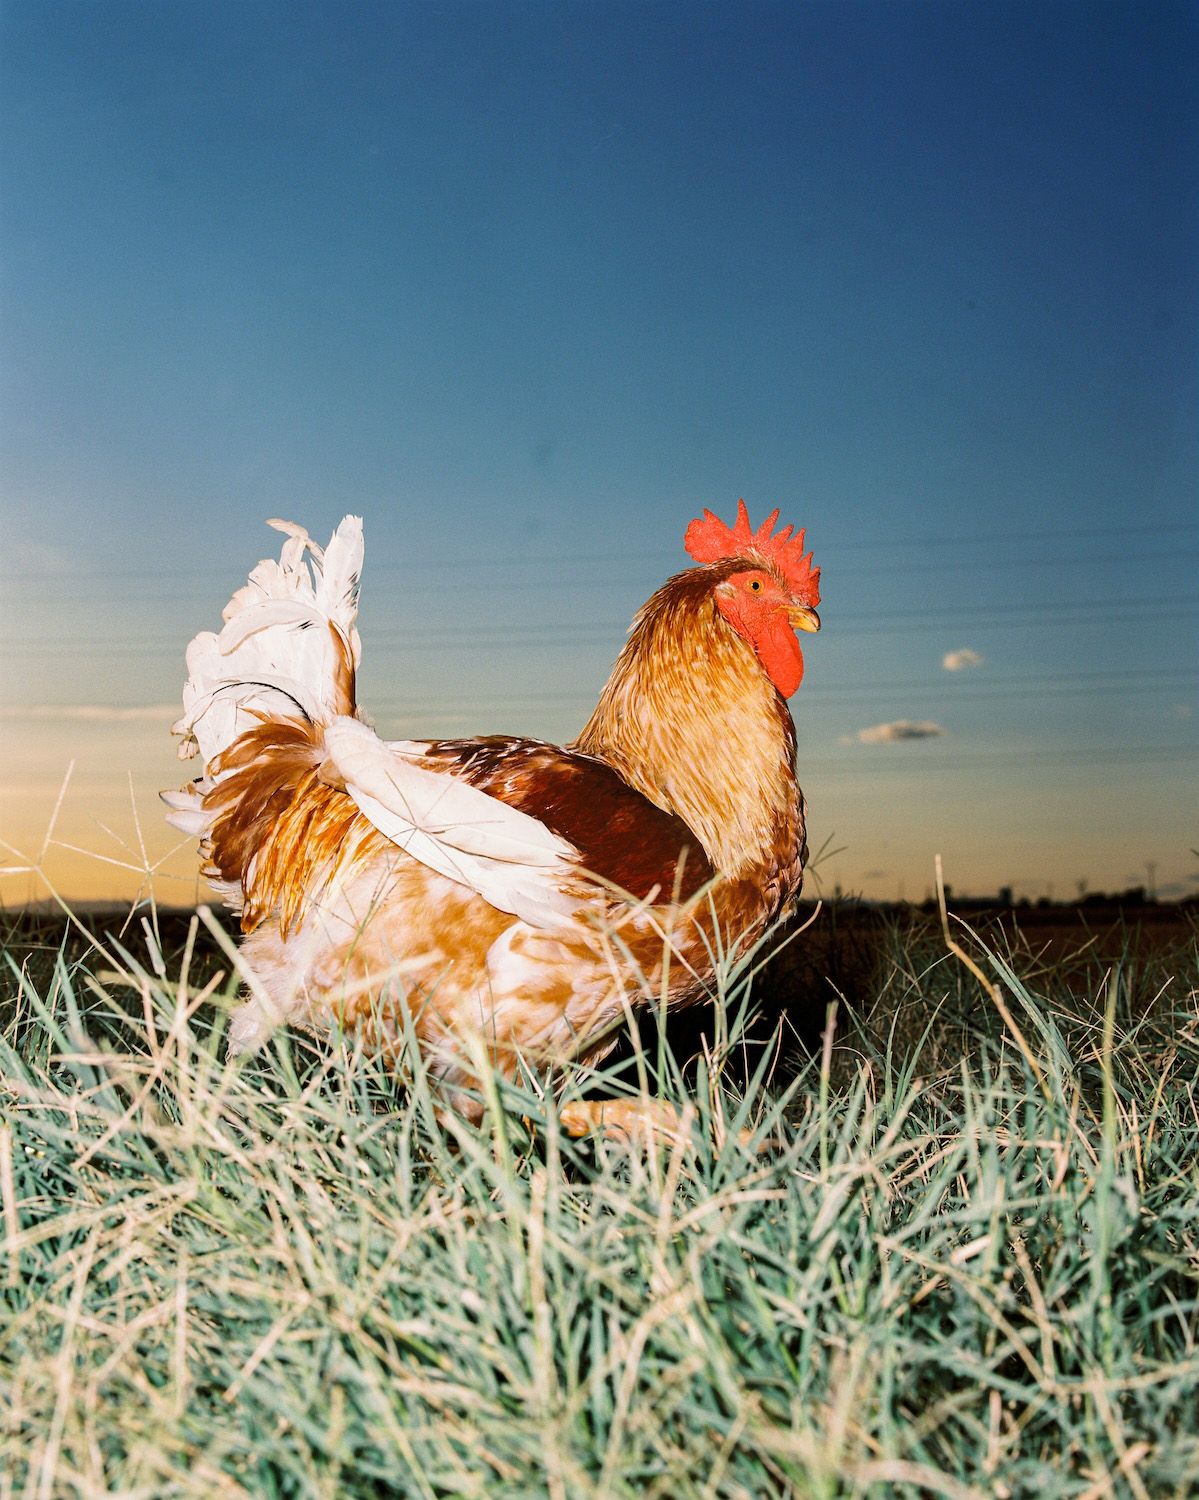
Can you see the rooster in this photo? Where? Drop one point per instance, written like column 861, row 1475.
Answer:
column 499, row 897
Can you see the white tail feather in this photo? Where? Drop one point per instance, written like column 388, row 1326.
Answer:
column 276, row 644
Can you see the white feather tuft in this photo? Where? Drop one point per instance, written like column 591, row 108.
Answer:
column 511, row 859
column 276, row 654
column 187, row 810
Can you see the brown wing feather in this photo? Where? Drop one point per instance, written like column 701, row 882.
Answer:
column 622, row 837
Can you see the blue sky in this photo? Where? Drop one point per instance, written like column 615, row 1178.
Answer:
column 527, row 285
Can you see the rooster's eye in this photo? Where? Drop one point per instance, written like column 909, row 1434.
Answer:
column 756, row 585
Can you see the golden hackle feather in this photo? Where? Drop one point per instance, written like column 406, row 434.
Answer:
column 689, row 718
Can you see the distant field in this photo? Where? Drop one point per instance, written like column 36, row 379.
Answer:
column 966, row 1262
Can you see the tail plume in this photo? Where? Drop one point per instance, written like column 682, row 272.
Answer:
column 258, row 697
column 289, row 643
column 296, row 792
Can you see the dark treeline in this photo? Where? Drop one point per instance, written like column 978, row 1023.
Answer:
column 850, row 954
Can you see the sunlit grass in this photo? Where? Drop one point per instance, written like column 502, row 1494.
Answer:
column 944, row 1275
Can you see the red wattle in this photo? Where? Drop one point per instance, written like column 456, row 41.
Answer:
column 778, row 650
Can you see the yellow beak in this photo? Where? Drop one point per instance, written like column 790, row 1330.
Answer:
column 803, row 618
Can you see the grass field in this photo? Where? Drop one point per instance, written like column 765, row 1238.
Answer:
column 965, row 1262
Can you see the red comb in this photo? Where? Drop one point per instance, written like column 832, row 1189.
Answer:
column 709, row 540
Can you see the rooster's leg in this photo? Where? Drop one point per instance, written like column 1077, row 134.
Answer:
column 635, row 1121
column 625, row 1120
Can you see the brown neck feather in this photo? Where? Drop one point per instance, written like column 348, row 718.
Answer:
column 691, row 720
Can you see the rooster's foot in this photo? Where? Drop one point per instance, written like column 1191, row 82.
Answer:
column 634, row 1121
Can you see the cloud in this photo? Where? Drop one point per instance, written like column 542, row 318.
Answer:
column 963, row 660
column 94, row 713
column 899, row 729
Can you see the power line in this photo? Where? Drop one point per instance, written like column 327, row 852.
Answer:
column 1122, row 689
column 1099, row 683
column 1052, row 606
column 448, row 563
column 1022, row 537
column 934, row 764
column 1121, row 559
column 829, row 696
column 1053, row 611
column 1041, row 677
column 1122, row 684
column 568, row 585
